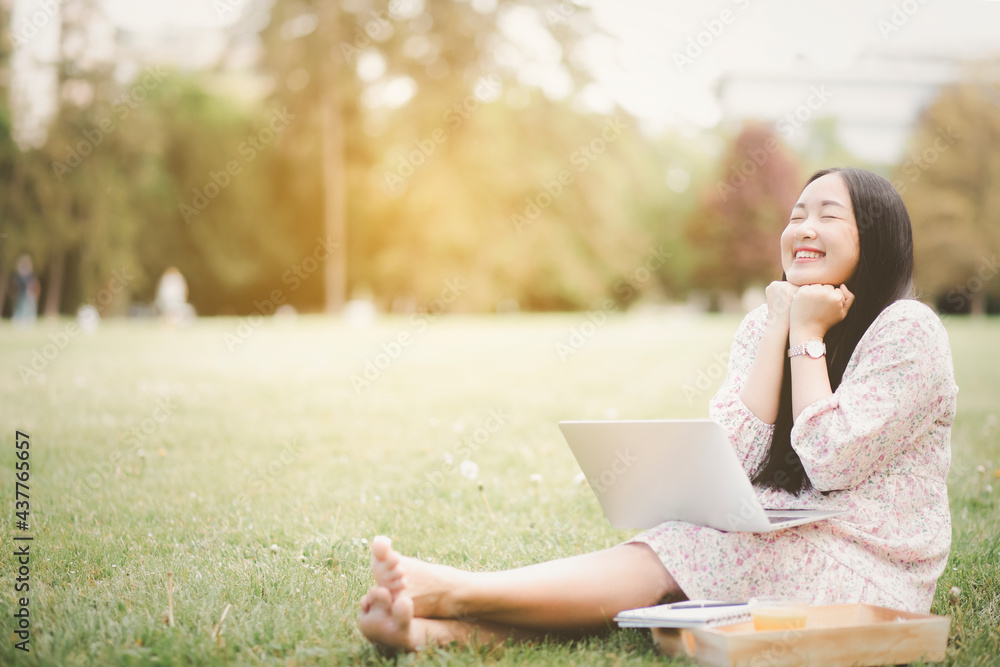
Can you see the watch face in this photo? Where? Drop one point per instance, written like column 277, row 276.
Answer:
column 815, row 349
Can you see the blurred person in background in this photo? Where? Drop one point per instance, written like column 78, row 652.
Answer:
column 25, row 290
column 171, row 297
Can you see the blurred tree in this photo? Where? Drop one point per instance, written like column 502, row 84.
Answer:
column 664, row 196
column 368, row 80
column 951, row 185
column 65, row 201
column 8, row 153
column 204, row 183
column 134, row 177
column 461, row 171
column 81, row 199
column 823, row 149
column 736, row 228
column 527, row 204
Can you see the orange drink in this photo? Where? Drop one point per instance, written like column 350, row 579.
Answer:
column 778, row 613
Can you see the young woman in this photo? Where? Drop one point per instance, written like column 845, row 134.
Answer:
column 840, row 393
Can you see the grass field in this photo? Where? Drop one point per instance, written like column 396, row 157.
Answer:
column 250, row 478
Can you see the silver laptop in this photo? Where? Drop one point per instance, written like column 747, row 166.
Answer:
column 650, row 471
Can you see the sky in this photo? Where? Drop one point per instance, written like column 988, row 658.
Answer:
column 881, row 62
column 775, row 37
column 663, row 60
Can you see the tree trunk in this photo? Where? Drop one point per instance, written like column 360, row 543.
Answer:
column 53, row 291
column 4, row 282
column 334, row 192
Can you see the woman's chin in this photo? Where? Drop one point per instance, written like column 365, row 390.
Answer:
column 800, row 278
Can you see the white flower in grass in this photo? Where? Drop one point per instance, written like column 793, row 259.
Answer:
column 469, row 470
column 448, row 458
column 536, row 478
column 580, row 479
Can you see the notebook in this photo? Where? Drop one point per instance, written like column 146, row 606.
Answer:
column 689, row 614
column 645, row 472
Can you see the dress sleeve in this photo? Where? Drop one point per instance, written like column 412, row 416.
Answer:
column 749, row 436
column 901, row 371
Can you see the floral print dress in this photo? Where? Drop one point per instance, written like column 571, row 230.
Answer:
column 880, row 444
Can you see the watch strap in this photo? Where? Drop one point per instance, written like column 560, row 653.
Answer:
column 801, row 349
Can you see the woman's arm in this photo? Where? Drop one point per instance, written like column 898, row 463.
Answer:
column 901, row 385
column 810, row 379
column 815, row 309
column 748, row 435
column 762, row 390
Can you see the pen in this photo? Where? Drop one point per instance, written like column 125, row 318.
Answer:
column 699, row 605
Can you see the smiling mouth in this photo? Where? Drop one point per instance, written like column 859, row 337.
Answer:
column 809, row 254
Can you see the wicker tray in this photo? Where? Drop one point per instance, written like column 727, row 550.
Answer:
column 834, row 636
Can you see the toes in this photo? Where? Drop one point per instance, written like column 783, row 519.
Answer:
column 380, row 599
column 381, row 547
column 388, row 622
column 395, row 583
column 389, row 575
column 402, row 615
column 402, row 611
column 385, row 566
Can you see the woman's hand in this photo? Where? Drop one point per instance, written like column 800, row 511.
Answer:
column 779, row 304
column 816, row 309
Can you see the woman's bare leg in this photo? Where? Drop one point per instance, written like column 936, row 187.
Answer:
column 573, row 595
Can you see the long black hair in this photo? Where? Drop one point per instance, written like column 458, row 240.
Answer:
column 884, row 274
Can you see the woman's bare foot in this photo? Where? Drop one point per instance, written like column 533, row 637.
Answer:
column 388, row 621
column 430, row 587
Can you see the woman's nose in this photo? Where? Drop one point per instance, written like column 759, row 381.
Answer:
column 805, row 230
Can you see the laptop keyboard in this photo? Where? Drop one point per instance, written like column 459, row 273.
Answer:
column 773, row 518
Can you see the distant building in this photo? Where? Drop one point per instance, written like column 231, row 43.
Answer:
column 876, row 102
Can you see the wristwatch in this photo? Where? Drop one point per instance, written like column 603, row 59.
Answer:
column 814, row 347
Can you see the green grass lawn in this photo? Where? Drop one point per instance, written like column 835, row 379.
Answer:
column 253, row 477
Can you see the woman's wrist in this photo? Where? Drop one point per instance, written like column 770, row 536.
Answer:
column 799, row 335
column 777, row 324
column 775, row 334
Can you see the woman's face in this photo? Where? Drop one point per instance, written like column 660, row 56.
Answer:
column 820, row 243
